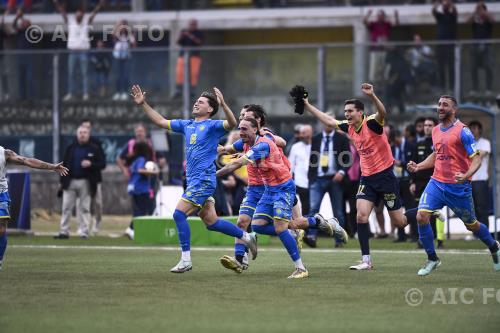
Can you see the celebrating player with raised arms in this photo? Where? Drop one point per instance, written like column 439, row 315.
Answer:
column 8, row 156
column 378, row 181
column 202, row 135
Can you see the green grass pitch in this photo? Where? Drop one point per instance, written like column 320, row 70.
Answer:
column 126, row 288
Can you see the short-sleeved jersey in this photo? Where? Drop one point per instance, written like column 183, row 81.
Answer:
column 138, row 183
column 454, row 147
column 202, row 138
column 272, row 168
column 3, row 171
column 371, row 144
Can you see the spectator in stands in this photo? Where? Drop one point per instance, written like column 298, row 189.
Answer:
column 445, row 13
column 480, row 189
column 399, row 75
column 190, row 37
column 84, row 160
column 139, row 183
column 24, row 61
column 328, row 164
column 124, row 41
column 481, row 56
column 421, row 59
column 101, row 64
column 96, row 199
column 13, row 4
column 299, row 161
column 78, row 46
column 380, row 31
column 4, row 88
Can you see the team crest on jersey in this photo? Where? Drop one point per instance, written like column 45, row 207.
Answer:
column 202, row 127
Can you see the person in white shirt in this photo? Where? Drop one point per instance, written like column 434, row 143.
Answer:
column 124, row 41
column 78, row 46
column 299, row 161
column 480, row 190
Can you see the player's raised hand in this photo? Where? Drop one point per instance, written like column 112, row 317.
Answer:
column 460, row 178
column 138, row 95
column 220, row 97
column 412, row 167
column 61, row 169
column 367, row 89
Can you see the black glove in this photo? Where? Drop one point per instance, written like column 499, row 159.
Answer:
column 298, row 94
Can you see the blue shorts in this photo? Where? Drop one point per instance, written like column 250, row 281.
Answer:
column 380, row 186
column 200, row 190
column 458, row 197
column 276, row 203
column 4, row 206
column 252, row 198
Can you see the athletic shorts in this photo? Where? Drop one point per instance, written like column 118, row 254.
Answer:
column 199, row 191
column 276, row 203
column 458, row 197
column 380, row 186
column 252, row 198
column 4, row 206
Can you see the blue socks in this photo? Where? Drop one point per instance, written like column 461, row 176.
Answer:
column 427, row 239
column 290, row 244
column 3, row 245
column 267, row 229
column 227, row 228
column 312, row 222
column 364, row 238
column 239, row 249
column 183, row 230
column 484, row 235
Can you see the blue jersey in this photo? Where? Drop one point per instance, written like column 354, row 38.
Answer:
column 202, row 139
column 138, row 183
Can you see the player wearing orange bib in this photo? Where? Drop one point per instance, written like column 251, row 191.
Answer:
column 455, row 160
column 378, row 181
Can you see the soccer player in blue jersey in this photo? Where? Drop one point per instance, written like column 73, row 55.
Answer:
column 255, row 190
column 455, row 159
column 202, row 135
column 7, row 156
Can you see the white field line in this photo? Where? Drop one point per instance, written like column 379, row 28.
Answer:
column 218, row 249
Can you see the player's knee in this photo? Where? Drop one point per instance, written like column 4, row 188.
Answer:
column 178, row 215
column 362, row 217
column 473, row 226
column 422, row 218
column 243, row 223
column 279, row 227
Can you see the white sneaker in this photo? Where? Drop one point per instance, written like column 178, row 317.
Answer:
column 364, row 265
column 67, row 97
column 252, row 245
column 244, row 263
column 182, row 266
column 116, row 97
column 123, row 97
column 95, row 231
column 129, row 233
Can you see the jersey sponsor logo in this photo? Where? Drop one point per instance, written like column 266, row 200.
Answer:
column 192, row 139
column 362, row 151
column 441, row 153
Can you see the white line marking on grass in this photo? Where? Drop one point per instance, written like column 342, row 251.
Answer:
column 212, row 249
